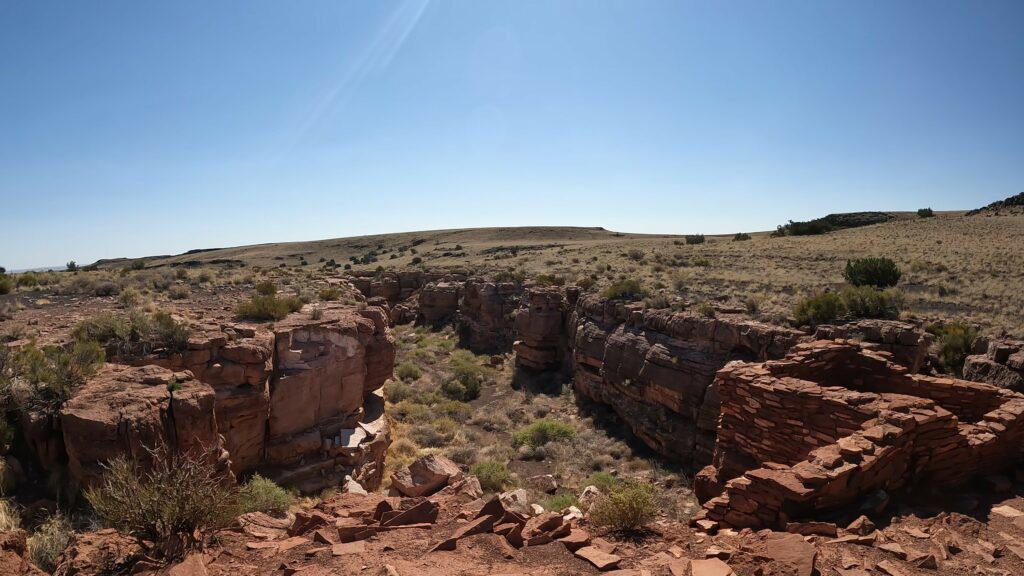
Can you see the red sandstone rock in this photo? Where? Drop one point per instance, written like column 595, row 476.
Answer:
column 125, row 411
column 426, row 475
column 14, row 555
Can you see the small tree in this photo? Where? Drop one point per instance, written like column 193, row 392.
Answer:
column 694, row 238
column 925, row 213
column 878, row 272
column 72, row 266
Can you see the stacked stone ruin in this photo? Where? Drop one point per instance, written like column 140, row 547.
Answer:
column 832, row 423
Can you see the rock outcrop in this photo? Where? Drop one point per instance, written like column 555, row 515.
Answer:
column 325, row 421
column 541, row 329
column 237, row 362
column 656, row 369
column 1002, row 365
column 832, row 424
column 439, row 301
column 300, row 404
column 486, row 315
column 14, row 555
column 907, row 343
column 132, row 410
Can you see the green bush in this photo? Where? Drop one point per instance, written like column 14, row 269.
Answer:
column 541, row 432
column 260, row 494
column 628, row 507
column 266, row 288
column 135, row 334
column 395, row 391
column 629, row 289
column 549, row 280
column 6, row 284
column 810, row 228
column 264, row 308
column 560, row 502
column 454, row 410
column 878, row 272
column 870, row 302
column 52, row 374
column 48, row 541
column 694, row 238
column 740, row 237
column 409, row 411
column 328, row 294
column 955, row 343
column 819, row 309
column 168, row 507
column 492, row 474
column 925, row 213
column 468, row 376
column 408, row 371
column 603, row 481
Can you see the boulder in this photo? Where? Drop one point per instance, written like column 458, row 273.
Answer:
column 99, row 552
column 14, row 555
column 426, row 475
column 128, row 411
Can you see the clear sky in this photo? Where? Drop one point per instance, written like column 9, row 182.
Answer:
column 134, row 128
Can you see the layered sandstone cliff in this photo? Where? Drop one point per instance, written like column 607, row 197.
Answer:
column 486, row 315
column 299, row 403
column 833, row 423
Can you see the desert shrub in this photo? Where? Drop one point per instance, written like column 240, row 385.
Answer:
column 9, row 517
column 316, row 313
column 408, row 371
column 48, row 541
column 260, row 494
column 706, row 310
column 752, row 304
column 586, row 283
column 560, row 502
column 27, row 280
column 396, row 391
column 263, row 307
column 810, row 228
column 870, row 302
column 6, row 284
column 955, row 343
column 137, row 265
column 266, row 288
column 454, row 410
column 635, row 255
column 493, row 475
column 694, row 238
column 629, row 289
column 416, row 260
column 819, row 309
column 925, row 213
column 51, row 375
column 105, row 288
column 549, row 280
column 878, row 272
column 328, row 294
column 541, row 432
column 628, row 507
column 603, row 481
column 409, row 411
column 428, row 436
column 169, row 506
column 178, row 292
column 130, row 298
column 465, row 454
column 468, row 376
column 741, row 237
column 135, row 334
column 204, row 277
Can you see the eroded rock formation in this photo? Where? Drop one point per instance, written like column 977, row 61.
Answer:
column 300, row 403
column 439, row 301
column 486, row 315
column 907, row 343
column 132, row 410
column 1002, row 365
column 832, row 423
column 541, row 329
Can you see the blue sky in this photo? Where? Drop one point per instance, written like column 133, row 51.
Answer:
column 137, row 128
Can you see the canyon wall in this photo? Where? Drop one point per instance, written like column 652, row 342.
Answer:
column 833, row 424
column 298, row 402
